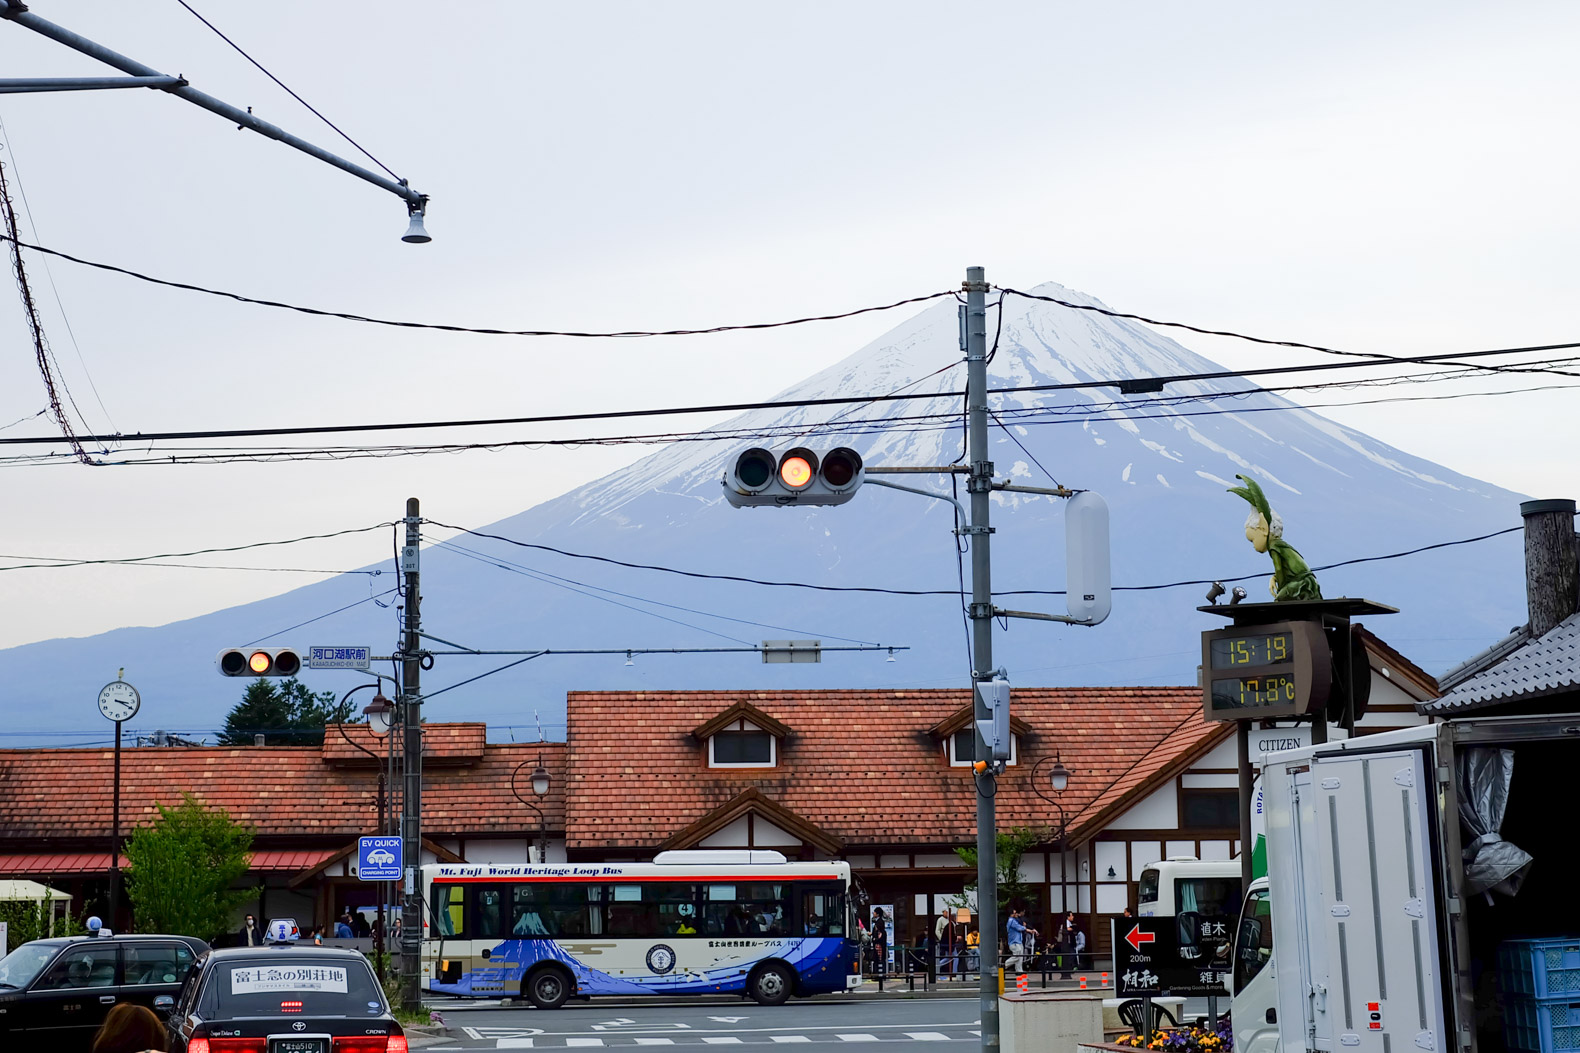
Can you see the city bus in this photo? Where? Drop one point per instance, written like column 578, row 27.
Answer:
column 697, row 922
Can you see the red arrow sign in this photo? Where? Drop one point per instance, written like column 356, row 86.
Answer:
column 1135, row 937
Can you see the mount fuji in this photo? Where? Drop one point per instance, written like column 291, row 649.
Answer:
column 1162, row 462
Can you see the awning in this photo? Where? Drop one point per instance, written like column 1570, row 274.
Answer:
column 290, row 858
column 52, row 863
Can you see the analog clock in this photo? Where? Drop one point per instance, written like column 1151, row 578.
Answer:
column 119, row 701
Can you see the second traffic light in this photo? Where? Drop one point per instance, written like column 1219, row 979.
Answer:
column 796, row 477
column 259, row 661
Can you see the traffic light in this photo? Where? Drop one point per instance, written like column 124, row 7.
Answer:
column 259, row 661
column 995, row 730
column 796, row 477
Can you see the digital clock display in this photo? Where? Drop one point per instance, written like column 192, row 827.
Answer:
column 1253, row 651
column 1253, row 692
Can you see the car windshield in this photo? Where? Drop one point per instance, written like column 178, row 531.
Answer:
column 292, row 983
column 18, row 968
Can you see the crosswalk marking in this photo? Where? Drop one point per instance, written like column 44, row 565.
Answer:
column 927, row 1036
column 514, row 1043
column 655, row 1042
column 584, row 1041
column 857, row 1038
column 722, row 1040
column 789, row 1038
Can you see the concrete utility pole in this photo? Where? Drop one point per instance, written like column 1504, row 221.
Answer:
column 411, row 722
column 980, row 486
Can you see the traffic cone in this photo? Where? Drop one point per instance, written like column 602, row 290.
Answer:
column 1021, row 983
column 1105, row 979
column 1083, row 983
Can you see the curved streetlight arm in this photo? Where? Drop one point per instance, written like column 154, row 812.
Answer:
column 543, row 822
column 340, row 716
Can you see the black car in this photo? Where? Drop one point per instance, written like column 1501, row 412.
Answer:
column 55, row 993
column 283, row 998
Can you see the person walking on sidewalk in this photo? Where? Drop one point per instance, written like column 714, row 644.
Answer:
column 1016, row 930
column 880, row 941
column 944, row 942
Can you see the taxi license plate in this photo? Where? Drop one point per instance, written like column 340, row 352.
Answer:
column 299, row 1045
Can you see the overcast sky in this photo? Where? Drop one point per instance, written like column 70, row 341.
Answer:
column 1393, row 178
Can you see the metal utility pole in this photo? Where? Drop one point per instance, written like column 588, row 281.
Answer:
column 411, row 722
column 980, row 485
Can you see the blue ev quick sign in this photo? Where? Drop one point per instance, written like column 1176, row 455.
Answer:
column 378, row 858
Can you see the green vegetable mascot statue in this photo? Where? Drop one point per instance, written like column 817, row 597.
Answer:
column 1292, row 579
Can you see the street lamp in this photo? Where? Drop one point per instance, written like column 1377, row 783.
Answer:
column 1058, row 779
column 540, row 788
column 380, row 714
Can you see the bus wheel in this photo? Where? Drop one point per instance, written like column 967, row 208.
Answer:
column 548, row 988
column 770, row 985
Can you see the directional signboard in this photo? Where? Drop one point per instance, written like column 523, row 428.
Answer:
column 340, row 658
column 379, row 858
column 1149, row 959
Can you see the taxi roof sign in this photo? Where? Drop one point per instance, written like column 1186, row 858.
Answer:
column 283, row 930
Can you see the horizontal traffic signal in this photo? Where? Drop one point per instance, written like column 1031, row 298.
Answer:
column 796, row 477
column 259, row 661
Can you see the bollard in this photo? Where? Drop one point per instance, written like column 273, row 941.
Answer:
column 1083, row 983
column 1020, row 983
column 1105, row 979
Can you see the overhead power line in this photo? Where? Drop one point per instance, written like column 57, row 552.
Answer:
column 200, row 551
column 477, row 330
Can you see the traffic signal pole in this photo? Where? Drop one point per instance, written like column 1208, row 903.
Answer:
column 980, row 486
column 411, row 723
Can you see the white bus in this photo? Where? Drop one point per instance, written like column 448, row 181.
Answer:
column 699, row 922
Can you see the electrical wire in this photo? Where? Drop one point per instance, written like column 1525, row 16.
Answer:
column 198, row 551
column 319, row 618
column 288, row 91
column 1016, row 440
column 64, row 561
column 1370, row 355
column 475, row 330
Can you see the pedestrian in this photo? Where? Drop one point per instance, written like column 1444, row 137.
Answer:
column 343, row 927
column 1127, row 913
column 944, row 941
column 130, row 1028
column 973, row 949
column 880, row 940
column 251, row 934
column 1080, row 947
column 359, row 925
column 1016, row 930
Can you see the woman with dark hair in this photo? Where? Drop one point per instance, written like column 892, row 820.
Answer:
column 131, row 1029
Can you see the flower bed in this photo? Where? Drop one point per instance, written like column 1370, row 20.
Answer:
column 1192, row 1039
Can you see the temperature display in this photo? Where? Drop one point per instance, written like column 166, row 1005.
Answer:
column 1253, row 651
column 1254, row 692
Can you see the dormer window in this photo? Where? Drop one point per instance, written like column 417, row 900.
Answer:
column 741, row 745
column 962, row 746
column 742, row 736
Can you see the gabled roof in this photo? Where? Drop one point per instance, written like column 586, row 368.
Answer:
column 752, row 800
column 1540, row 669
column 283, row 792
column 1409, row 677
column 865, row 768
column 742, row 710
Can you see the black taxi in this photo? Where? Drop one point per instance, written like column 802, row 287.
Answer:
column 54, row 993
column 284, row 997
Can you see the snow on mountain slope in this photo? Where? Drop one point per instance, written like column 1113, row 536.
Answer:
column 1162, row 466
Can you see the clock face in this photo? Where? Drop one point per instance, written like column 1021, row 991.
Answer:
column 119, row 701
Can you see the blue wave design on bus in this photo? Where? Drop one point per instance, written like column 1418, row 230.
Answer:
column 820, row 964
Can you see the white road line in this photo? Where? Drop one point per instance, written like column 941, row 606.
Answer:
column 927, row 1036
column 789, row 1038
column 513, row 1043
column 655, row 1042
column 722, row 1040
column 857, row 1038
column 584, row 1041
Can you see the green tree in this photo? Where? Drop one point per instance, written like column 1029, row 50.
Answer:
column 285, row 712
column 29, row 920
column 180, row 870
column 1012, row 847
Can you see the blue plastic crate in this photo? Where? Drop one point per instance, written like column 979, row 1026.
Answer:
column 1540, row 968
column 1542, row 1027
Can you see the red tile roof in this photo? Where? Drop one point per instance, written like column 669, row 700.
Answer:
column 42, row 864
column 282, row 791
column 860, row 764
column 442, row 744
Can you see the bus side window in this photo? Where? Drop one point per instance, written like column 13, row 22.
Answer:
column 448, row 909
column 486, row 915
column 815, row 914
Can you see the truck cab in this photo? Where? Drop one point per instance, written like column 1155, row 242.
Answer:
column 1253, row 979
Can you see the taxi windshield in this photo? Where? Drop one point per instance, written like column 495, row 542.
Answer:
column 18, row 968
column 292, row 983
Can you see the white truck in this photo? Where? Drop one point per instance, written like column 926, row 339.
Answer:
column 1397, row 865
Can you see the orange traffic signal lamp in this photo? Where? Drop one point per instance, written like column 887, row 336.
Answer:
column 797, row 477
column 259, row 661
